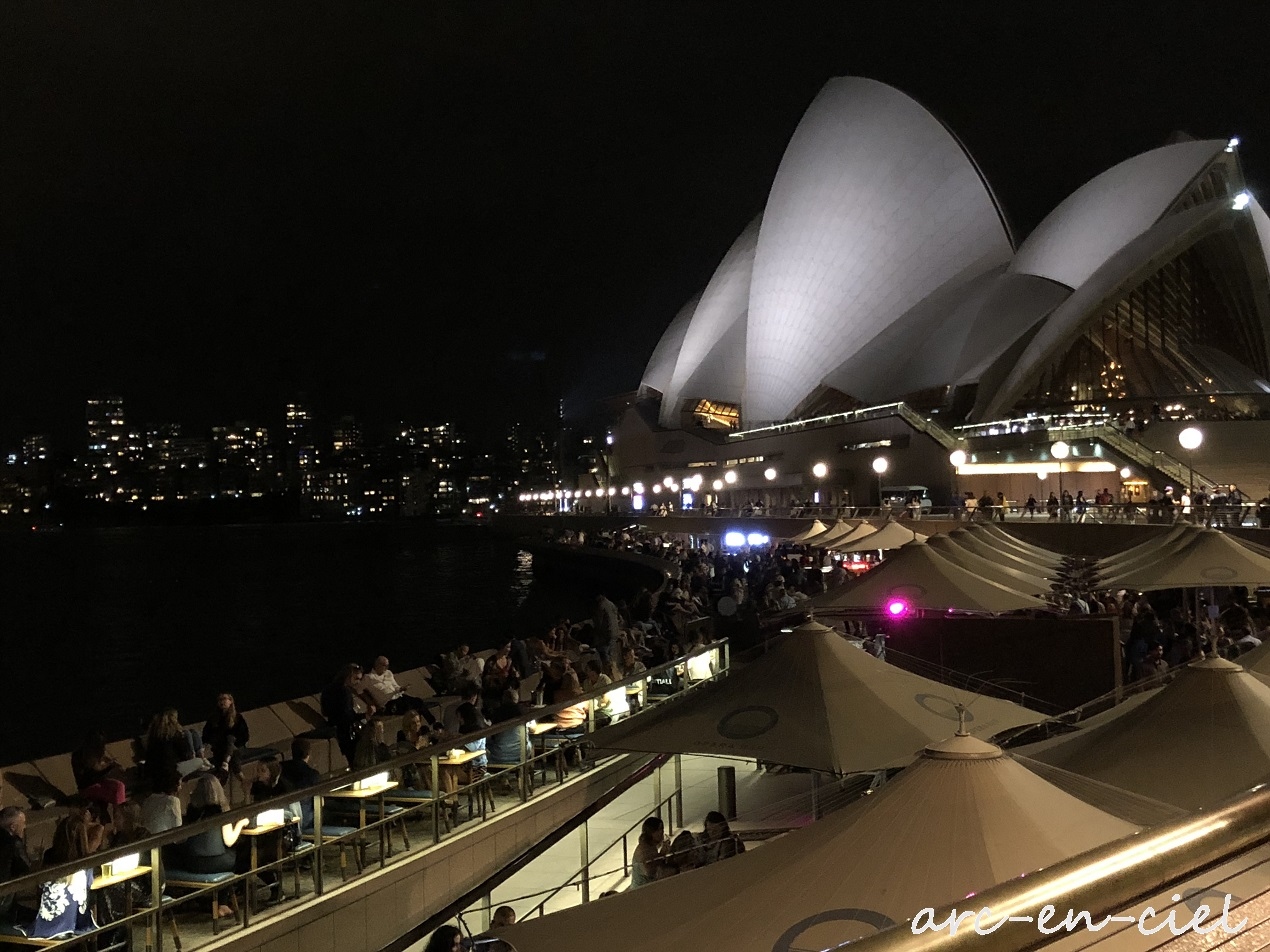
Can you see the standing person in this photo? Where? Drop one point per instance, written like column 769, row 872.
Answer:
column 986, row 504
column 606, row 625
column 226, row 733
column 1031, row 505
column 169, row 748
column 1001, row 507
column 340, row 710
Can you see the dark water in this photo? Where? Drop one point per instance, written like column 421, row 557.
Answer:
column 102, row 627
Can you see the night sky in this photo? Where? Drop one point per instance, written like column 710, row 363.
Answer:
column 210, row 207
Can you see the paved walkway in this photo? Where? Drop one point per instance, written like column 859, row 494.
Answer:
column 763, row 799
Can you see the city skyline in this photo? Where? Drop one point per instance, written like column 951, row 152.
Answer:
column 481, row 204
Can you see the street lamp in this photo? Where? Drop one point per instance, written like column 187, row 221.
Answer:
column 880, row 466
column 819, row 471
column 1191, row 438
column 1059, row 451
column 958, row 459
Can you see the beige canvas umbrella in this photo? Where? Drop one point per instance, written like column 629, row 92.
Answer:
column 848, row 542
column 1203, row 738
column 815, row 700
column 1154, row 549
column 1016, row 547
column 890, row 536
column 987, row 548
column 816, row 528
column 1027, row 583
column 922, row 578
column 962, row 818
column 1206, row 557
column 840, row 530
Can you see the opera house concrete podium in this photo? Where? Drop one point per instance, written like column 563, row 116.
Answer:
column 879, row 304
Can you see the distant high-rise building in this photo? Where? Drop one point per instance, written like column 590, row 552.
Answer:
column 243, row 446
column 107, row 432
column 301, row 446
column 441, row 451
column 36, row 448
column 346, row 435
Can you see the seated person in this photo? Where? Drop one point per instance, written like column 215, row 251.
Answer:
column 469, row 693
column 414, row 735
column 572, row 718
column 371, row 748
column 470, row 721
column 597, row 680
column 64, row 906
column 13, row 864
column 717, row 839
column 213, row 850
column 297, row 774
column 161, row 810
column 169, row 747
column 98, row 776
column 389, row 696
column 226, row 733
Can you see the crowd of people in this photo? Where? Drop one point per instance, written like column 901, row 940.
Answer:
column 115, row 804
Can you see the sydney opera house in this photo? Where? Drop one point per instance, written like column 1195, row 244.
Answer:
column 880, row 308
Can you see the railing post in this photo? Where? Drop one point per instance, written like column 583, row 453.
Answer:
column 679, row 791
column 524, row 768
column 657, row 792
column 486, row 902
column 317, row 845
column 585, row 846
column 156, row 898
column 436, row 799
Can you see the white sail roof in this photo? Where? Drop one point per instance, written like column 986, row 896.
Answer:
column 874, row 207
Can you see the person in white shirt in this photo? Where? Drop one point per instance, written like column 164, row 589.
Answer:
column 389, row 696
column 161, row 810
column 470, row 666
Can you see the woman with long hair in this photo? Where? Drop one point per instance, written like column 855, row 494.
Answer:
column 167, row 746
column 64, row 907
column 213, row 850
column 226, row 733
column 573, row 717
column 445, row 939
column 647, row 863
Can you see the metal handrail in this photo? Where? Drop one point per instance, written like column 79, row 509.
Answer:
column 540, row 909
column 1103, row 881
column 154, row 843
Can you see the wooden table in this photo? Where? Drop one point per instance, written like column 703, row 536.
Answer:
column 101, row 883
column 464, row 757
column 541, row 729
column 361, row 796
